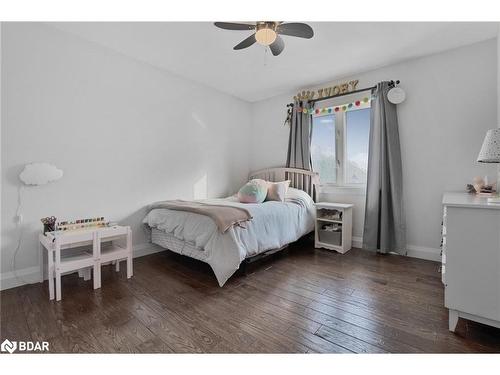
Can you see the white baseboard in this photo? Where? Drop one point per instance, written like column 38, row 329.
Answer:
column 357, row 242
column 31, row 275
column 413, row 251
column 421, row 252
column 23, row 276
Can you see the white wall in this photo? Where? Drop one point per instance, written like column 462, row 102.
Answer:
column 125, row 133
column 451, row 102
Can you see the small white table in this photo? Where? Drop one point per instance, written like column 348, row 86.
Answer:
column 340, row 241
column 55, row 243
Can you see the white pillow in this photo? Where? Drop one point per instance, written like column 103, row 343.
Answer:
column 276, row 191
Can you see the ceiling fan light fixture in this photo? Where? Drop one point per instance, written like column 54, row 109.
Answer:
column 265, row 36
column 268, row 33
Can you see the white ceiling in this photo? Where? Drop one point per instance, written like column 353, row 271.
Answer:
column 201, row 52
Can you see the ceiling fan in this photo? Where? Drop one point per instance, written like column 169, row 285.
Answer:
column 267, row 33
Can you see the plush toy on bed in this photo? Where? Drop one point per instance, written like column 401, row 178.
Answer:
column 254, row 191
column 258, row 191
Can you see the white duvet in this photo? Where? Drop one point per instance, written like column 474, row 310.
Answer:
column 274, row 225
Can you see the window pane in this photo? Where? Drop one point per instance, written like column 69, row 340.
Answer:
column 357, row 139
column 323, row 148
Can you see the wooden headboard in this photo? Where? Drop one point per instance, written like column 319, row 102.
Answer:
column 299, row 178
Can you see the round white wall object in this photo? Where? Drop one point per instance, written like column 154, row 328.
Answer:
column 396, row 95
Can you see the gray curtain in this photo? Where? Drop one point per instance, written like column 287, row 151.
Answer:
column 299, row 142
column 384, row 229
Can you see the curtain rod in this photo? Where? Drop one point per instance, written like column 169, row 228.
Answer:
column 391, row 84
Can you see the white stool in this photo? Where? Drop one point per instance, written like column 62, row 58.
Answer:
column 76, row 261
column 115, row 253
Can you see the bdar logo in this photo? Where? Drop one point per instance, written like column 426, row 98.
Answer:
column 8, row 346
column 24, row 346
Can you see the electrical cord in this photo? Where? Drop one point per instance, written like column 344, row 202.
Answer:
column 20, row 229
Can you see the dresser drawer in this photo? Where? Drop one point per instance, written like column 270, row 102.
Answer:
column 471, row 261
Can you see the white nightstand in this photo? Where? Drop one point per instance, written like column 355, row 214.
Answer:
column 333, row 228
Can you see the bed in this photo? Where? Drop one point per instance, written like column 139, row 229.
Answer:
column 273, row 225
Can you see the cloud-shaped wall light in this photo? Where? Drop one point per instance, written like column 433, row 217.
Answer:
column 40, row 174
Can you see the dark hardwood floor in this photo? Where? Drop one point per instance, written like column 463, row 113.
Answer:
column 302, row 301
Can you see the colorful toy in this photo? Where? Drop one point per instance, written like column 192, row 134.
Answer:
column 96, row 222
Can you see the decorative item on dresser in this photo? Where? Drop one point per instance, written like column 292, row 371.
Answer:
column 470, row 259
column 490, row 153
column 333, row 229
column 66, row 253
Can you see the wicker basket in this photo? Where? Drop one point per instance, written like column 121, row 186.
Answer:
column 330, row 237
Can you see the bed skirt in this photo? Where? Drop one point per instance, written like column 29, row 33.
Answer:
column 168, row 241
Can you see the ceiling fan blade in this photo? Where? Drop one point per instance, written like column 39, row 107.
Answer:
column 246, row 43
column 234, row 26
column 300, row 30
column 278, row 46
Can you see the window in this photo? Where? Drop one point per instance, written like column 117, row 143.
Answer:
column 357, row 134
column 323, row 148
column 339, row 143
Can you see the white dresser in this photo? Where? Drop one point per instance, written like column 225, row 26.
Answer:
column 471, row 259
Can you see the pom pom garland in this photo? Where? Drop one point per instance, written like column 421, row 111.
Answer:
column 345, row 107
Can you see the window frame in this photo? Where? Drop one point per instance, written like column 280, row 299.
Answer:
column 340, row 137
